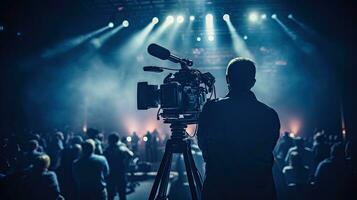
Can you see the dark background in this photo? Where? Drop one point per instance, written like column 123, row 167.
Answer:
column 31, row 26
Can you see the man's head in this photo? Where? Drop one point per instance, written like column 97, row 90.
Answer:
column 59, row 135
column 92, row 133
column 286, row 134
column 31, row 145
column 299, row 142
column 88, row 148
column 42, row 163
column 240, row 74
column 76, row 140
column 113, row 139
column 337, row 150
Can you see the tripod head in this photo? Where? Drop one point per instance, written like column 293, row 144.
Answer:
column 178, row 131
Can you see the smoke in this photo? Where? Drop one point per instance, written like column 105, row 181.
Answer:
column 96, row 87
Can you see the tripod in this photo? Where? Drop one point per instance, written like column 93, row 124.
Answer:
column 178, row 143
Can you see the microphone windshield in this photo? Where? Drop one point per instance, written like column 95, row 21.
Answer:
column 158, row 51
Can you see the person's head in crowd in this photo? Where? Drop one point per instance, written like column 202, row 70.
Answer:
column 41, row 163
column 240, row 74
column 37, row 137
column 299, row 142
column 295, row 159
column 76, row 151
column 59, row 135
column 123, row 140
column 349, row 149
column 337, row 151
column 30, row 146
column 319, row 138
column 92, row 133
column 88, row 148
column 72, row 154
column 286, row 134
column 113, row 139
column 76, row 140
column 100, row 137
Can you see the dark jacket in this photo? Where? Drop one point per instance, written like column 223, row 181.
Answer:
column 237, row 135
column 90, row 174
column 41, row 185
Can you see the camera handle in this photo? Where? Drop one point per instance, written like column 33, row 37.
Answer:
column 178, row 143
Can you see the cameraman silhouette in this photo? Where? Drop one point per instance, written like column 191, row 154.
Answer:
column 237, row 135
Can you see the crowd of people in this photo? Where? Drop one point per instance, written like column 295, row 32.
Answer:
column 320, row 168
column 64, row 166
column 78, row 166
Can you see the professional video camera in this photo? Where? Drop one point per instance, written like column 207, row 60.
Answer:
column 182, row 94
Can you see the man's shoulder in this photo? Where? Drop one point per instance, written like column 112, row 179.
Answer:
column 266, row 108
column 99, row 158
column 308, row 150
column 326, row 161
column 287, row 169
column 292, row 149
column 50, row 176
column 227, row 99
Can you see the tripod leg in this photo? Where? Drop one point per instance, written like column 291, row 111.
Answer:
column 189, row 175
column 196, row 173
column 159, row 175
column 165, row 179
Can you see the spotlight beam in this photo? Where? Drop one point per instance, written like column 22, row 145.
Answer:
column 307, row 29
column 239, row 45
column 161, row 29
column 98, row 42
column 69, row 44
column 137, row 40
column 209, row 25
column 301, row 44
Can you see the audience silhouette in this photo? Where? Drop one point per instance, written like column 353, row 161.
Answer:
column 117, row 155
column 237, row 155
column 90, row 173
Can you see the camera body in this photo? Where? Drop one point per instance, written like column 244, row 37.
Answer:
column 180, row 97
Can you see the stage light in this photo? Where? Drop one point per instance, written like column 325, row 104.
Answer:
column 2, row 28
column 225, row 17
column 180, row 19
column 209, row 17
column 192, row 18
column 110, row 24
column 210, row 38
column 84, row 128
column 155, row 20
column 125, row 23
column 145, row 139
column 210, row 26
column 290, row 16
column 239, row 46
column 253, row 17
column 198, row 39
column 245, row 37
column 273, row 16
column 128, row 139
column 295, row 126
column 263, row 16
column 170, row 19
